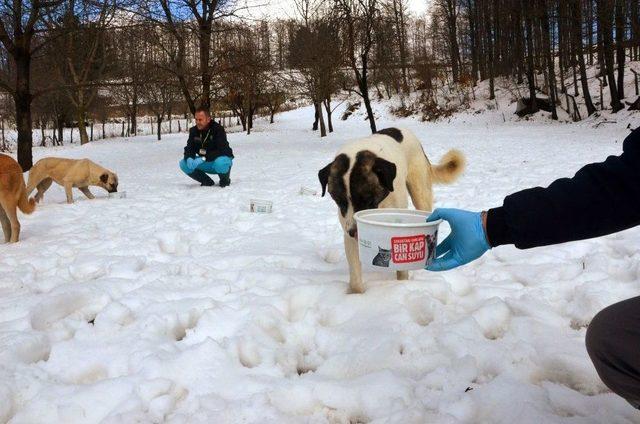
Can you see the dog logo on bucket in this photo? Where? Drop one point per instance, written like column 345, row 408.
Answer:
column 408, row 249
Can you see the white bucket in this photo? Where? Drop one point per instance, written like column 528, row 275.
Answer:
column 118, row 195
column 396, row 239
column 304, row 191
column 260, row 206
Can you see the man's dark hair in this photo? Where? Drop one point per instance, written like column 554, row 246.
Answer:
column 203, row 109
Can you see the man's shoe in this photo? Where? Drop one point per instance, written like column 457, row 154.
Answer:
column 225, row 180
column 202, row 178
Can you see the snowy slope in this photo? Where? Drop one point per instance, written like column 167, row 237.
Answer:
column 178, row 305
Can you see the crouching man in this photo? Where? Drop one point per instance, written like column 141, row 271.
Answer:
column 207, row 151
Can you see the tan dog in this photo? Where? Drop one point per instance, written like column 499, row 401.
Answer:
column 13, row 195
column 382, row 171
column 69, row 173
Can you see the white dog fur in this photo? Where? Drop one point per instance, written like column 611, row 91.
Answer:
column 382, row 171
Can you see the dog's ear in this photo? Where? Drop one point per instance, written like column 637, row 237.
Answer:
column 104, row 178
column 386, row 172
column 323, row 176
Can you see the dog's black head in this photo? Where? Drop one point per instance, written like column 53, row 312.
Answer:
column 358, row 184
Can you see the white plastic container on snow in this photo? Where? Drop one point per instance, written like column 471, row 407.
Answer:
column 118, row 195
column 260, row 206
column 396, row 239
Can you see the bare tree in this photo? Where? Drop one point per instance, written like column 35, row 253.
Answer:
column 450, row 9
column 359, row 20
column 315, row 53
column 21, row 36
column 605, row 18
column 80, row 39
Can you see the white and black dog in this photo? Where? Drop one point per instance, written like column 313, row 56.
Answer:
column 381, row 171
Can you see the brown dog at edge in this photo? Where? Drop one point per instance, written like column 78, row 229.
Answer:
column 13, row 195
column 69, row 173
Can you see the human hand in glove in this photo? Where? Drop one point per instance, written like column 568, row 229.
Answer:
column 192, row 163
column 466, row 243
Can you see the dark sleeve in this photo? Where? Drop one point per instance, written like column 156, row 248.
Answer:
column 602, row 198
column 190, row 149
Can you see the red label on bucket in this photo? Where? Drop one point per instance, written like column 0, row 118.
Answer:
column 408, row 249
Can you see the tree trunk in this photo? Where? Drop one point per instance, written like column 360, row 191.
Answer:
column 250, row 119
column 473, row 37
column 81, row 115
column 91, row 138
column 60, row 124
column 204, row 36
column 579, row 53
column 323, row 129
column 43, row 137
column 620, row 56
column 159, row 117
column 22, row 98
column 316, row 116
column 327, row 106
column 454, row 50
column 134, row 112
column 530, row 76
column 589, row 29
column 635, row 29
column 490, row 49
column 549, row 60
column 605, row 15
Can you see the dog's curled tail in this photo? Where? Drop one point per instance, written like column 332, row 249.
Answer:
column 25, row 204
column 450, row 167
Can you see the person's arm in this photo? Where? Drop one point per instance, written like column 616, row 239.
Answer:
column 219, row 145
column 190, row 149
column 602, row 198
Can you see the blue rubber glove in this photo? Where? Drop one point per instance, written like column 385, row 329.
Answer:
column 192, row 164
column 466, row 243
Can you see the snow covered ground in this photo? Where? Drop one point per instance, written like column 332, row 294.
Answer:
column 178, row 305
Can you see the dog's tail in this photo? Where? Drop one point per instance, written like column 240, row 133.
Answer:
column 450, row 167
column 25, row 204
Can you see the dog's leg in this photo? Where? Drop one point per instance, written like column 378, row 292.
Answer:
column 12, row 213
column 419, row 186
column 68, row 187
column 6, row 225
column 42, row 187
column 86, row 192
column 355, row 268
column 402, row 275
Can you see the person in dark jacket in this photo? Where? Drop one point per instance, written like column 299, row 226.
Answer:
column 602, row 198
column 207, row 151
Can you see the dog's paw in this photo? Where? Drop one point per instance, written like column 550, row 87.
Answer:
column 356, row 289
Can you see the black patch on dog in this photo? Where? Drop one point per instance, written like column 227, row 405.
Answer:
column 382, row 258
column 371, row 180
column 333, row 176
column 394, row 133
column 104, row 178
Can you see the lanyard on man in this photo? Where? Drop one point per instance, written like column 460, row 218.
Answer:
column 203, row 151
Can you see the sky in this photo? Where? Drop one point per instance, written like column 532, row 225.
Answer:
column 285, row 8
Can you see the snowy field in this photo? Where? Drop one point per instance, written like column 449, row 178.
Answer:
column 178, row 305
